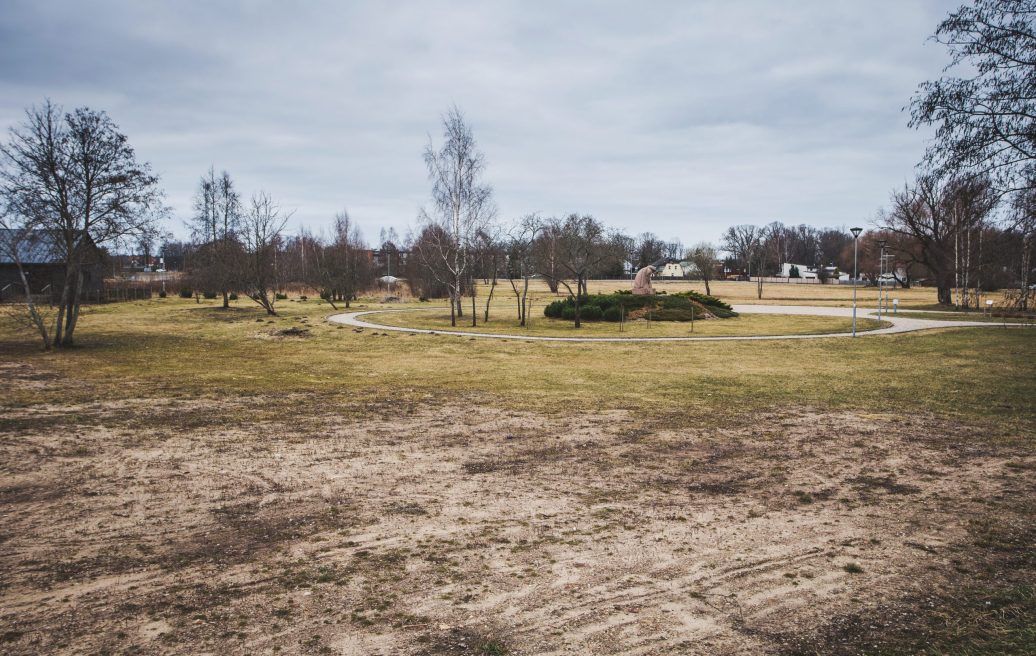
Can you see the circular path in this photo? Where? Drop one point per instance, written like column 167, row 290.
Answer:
column 900, row 324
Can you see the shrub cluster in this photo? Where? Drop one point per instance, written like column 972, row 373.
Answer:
column 280, row 297
column 209, row 295
column 611, row 307
column 161, row 294
column 186, row 293
column 706, row 300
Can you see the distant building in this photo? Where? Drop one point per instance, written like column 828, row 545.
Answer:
column 672, row 270
column 40, row 255
column 806, row 272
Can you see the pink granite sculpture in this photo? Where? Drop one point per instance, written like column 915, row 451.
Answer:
column 642, row 283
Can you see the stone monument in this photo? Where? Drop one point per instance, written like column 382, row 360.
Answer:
column 642, row 283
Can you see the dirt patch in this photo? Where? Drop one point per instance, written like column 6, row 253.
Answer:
column 252, row 525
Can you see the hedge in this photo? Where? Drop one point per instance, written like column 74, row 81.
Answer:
column 611, row 307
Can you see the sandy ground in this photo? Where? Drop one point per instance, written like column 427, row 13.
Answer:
column 302, row 526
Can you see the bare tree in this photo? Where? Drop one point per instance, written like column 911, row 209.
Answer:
column 649, row 249
column 147, row 240
column 76, row 176
column 261, row 232
column 462, row 204
column 986, row 118
column 673, row 250
column 545, row 246
column 520, row 264
column 742, row 242
column 626, row 248
column 344, row 265
column 426, row 273
column 583, row 247
column 933, row 212
column 1023, row 226
column 215, row 227
column 703, row 256
column 489, row 258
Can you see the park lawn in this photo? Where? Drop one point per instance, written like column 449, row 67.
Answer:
column 741, row 292
column 961, row 316
column 178, row 347
column 733, row 292
column 503, row 322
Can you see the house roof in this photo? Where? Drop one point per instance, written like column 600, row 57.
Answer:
column 32, row 247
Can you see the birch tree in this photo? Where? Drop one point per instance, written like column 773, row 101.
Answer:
column 462, row 204
column 215, row 228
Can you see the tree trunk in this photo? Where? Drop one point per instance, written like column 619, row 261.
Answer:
column 263, row 299
column 59, row 321
column 489, row 299
column 226, row 299
column 1023, row 299
column 708, row 292
column 72, row 316
column 579, row 283
column 525, row 296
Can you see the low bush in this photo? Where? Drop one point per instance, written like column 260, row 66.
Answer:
column 232, row 296
column 162, row 294
column 611, row 307
column 590, row 313
column 705, row 299
column 554, row 309
column 673, row 314
column 280, row 297
column 209, row 295
column 186, row 293
column 303, row 298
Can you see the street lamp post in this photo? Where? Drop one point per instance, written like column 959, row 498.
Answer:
column 881, row 274
column 856, row 235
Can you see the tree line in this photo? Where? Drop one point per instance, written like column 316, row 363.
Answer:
column 965, row 224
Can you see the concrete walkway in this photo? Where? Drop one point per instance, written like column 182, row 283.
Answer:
column 900, row 324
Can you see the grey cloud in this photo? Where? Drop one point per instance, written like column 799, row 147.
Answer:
column 675, row 117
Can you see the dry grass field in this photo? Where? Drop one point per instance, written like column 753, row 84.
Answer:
column 782, row 293
column 195, row 480
column 505, row 323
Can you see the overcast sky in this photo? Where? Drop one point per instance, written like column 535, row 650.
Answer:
column 678, row 118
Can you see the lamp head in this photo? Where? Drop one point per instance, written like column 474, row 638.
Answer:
column 856, row 232
column 882, row 243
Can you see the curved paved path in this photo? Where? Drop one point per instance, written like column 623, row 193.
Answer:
column 900, row 324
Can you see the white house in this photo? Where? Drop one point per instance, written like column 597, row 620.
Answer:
column 805, row 272
column 811, row 273
column 671, row 270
